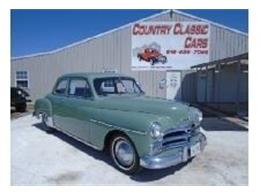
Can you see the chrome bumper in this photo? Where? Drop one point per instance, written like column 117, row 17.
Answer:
column 155, row 162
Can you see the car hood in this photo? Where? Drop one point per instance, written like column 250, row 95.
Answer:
column 144, row 104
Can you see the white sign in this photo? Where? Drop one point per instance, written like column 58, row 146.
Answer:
column 169, row 45
column 173, row 84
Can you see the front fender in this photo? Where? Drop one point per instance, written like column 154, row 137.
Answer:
column 134, row 124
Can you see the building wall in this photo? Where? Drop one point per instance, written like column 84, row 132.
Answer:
column 222, row 85
column 113, row 51
column 226, row 87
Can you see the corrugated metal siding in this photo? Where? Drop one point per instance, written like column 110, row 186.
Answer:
column 188, row 86
column 113, row 51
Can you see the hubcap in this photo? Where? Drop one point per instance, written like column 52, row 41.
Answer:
column 124, row 153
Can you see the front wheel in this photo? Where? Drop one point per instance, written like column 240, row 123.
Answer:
column 124, row 154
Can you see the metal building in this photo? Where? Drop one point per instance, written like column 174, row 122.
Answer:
column 223, row 84
column 112, row 51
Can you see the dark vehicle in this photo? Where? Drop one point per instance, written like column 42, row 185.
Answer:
column 19, row 98
column 152, row 55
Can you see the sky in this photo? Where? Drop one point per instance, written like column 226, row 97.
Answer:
column 34, row 31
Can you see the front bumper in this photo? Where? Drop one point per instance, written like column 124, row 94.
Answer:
column 183, row 155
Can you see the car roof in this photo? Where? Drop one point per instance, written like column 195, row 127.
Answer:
column 93, row 75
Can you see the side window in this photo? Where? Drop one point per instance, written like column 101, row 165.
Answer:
column 107, row 86
column 61, row 87
column 79, row 88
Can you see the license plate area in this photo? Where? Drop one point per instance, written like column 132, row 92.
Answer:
column 195, row 149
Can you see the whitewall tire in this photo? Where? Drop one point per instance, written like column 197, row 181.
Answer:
column 124, row 154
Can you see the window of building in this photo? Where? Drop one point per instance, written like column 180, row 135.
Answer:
column 22, row 79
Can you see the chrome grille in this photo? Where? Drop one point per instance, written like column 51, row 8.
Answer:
column 178, row 137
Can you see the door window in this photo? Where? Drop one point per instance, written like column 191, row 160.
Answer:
column 79, row 88
column 61, row 87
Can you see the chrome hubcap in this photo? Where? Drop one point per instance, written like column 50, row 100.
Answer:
column 124, row 153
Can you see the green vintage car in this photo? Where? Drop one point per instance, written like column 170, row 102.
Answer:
column 110, row 111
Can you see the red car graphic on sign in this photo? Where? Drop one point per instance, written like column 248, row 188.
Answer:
column 152, row 55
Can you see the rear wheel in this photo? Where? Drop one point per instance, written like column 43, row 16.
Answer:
column 45, row 121
column 124, row 154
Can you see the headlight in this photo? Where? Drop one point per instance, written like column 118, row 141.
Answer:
column 196, row 116
column 155, row 130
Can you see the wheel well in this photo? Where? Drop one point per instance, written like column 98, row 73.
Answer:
column 110, row 135
column 43, row 105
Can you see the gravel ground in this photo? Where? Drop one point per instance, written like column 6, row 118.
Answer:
column 39, row 158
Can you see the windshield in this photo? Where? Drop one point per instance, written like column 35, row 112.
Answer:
column 116, row 86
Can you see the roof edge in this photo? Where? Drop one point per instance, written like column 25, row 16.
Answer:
column 236, row 57
column 211, row 22
column 125, row 26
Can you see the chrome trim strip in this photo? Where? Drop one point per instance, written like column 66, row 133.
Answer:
column 174, row 138
column 173, row 130
column 116, row 127
column 174, row 145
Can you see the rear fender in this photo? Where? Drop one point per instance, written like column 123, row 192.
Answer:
column 43, row 105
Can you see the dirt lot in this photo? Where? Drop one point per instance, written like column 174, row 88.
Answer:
column 39, row 158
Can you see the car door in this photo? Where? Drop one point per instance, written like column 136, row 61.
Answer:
column 58, row 101
column 78, row 108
